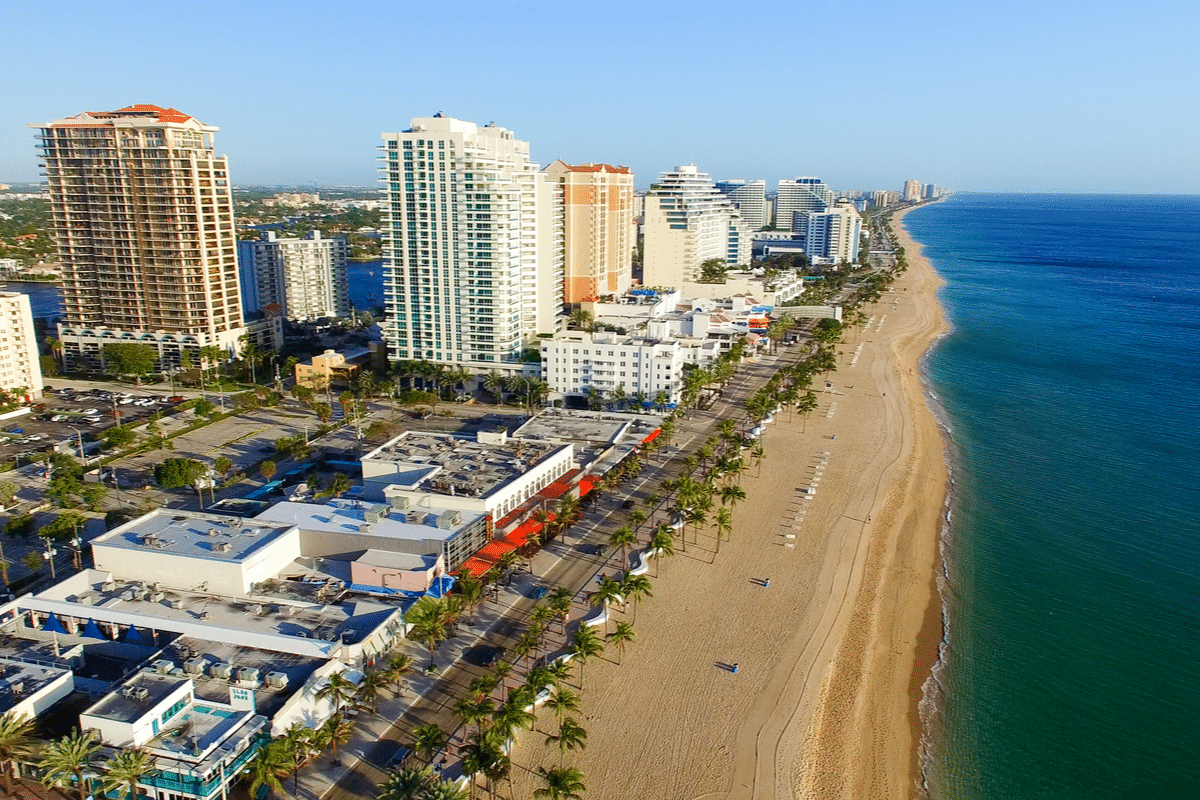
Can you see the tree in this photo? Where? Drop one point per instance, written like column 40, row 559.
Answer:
column 93, row 495
column 338, row 690
column 624, row 538
column 398, row 667
column 267, row 469
column 269, row 766
column 337, row 730
column 129, row 358
column 713, row 270
column 635, row 588
column 8, row 492
column 16, row 744
column 586, row 644
column 661, row 544
column 560, row 784
column 410, row 783
column 571, row 736
column 428, row 740
column 222, row 464
column 563, row 701
column 63, row 527
column 203, row 407
column 125, row 769
column 581, row 319
column 367, row 695
column 175, row 473
column 119, row 436
column 323, row 411
column 340, row 484
column 428, row 619
column 622, row 635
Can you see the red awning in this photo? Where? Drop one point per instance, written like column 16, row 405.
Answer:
column 523, row 532
column 475, row 567
column 492, row 551
column 653, row 435
column 587, row 484
column 556, row 489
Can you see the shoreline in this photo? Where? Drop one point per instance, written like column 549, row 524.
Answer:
column 834, row 654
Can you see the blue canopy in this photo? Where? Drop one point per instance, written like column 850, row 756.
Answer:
column 53, row 625
column 92, row 630
column 133, row 636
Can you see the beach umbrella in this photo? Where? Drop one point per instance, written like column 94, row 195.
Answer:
column 92, row 630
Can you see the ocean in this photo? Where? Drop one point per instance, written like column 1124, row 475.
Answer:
column 1068, row 389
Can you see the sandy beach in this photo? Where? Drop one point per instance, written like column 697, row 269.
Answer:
column 831, row 655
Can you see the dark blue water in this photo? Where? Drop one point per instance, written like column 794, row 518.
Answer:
column 1069, row 383
column 43, row 297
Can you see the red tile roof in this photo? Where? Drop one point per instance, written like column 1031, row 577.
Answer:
column 160, row 113
column 597, row 168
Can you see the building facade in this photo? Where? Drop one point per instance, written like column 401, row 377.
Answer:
column 750, row 197
column 687, row 222
column 796, row 198
column 833, row 236
column 641, row 369
column 598, row 229
column 912, row 191
column 143, row 221
column 305, row 276
column 471, row 272
column 20, row 367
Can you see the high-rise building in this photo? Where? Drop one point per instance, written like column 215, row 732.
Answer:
column 832, row 236
column 688, row 221
column 20, row 367
column 599, row 232
column 305, row 277
column 931, row 192
column 143, row 220
column 912, row 191
column 471, row 267
column 796, row 198
column 750, row 197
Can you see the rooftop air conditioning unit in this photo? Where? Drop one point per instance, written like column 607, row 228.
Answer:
column 222, row 671
column 213, row 532
column 254, row 608
column 18, row 687
column 88, row 599
column 127, row 595
column 156, row 597
column 277, row 680
column 176, row 602
column 195, row 666
column 204, row 615
column 400, row 502
column 222, row 547
column 139, row 692
column 248, row 675
column 108, row 586
column 163, row 666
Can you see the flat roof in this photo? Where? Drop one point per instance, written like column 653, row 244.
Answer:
column 119, row 708
column 193, row 535
column 350, row 517
column 19, row 680
column 465, row 466
column 587, row 427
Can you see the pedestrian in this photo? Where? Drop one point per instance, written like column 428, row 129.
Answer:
column 735, row 668
column 767, row 583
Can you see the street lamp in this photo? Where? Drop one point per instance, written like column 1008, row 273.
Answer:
column 82, row 456
column 77, row 550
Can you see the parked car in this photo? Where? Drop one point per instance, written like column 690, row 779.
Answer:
column 177, row 398
column 399, row 757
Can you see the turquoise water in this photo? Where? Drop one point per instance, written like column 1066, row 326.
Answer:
column 1069, row 389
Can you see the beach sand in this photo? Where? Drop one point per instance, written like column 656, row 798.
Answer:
column 833, row 653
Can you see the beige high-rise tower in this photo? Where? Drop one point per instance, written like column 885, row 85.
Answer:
column 143, row 219
column 598, row 229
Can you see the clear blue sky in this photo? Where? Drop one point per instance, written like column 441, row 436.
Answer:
column 1050, row 95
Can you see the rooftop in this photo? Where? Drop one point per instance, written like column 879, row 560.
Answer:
column 587, row 427
column 213, row 537
column 380, row 520
column 458, row 466
column 18, row 680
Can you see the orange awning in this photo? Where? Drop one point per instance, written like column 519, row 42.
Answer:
column 521, row 535
column 492, row 551
column 587, row 484
column 653, row 435
column 475, row 567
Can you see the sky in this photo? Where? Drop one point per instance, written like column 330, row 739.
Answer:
column 1047, row 96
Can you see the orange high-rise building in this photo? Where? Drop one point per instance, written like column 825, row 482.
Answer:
column 598, row 229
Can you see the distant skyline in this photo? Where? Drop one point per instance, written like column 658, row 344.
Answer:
column 1070, row 96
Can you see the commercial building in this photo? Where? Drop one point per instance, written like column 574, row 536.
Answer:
column 471, row 267
column 688, row 221
column 599, row 233
column 795, row 198
column 328, row 369
column 751, row 200
column 142, row 216
column 832, row 236
column 305, row 276
column 20, row 365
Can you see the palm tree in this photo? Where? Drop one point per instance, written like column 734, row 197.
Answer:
column 336, row 730
column 564, row 700
column 662, row 543
column 429, row 619
column 724, row 523
column 16, row 744
column 474, row 711
column 624, row 538
column 410, row 783
column 587, row 643
column 622, row 635
column 494, row 383
column 125, row 769
column 580, row 318
column 571, row 736
column 560, row 784
column 512, row 715
column 70, row 757
column 300, row 743
column 635, row 588
column 560, row 601
column 470, row 589
column 270, row 765
column 609, row 591
column 561, row 670
column 428, row 740
column 367, row 693
column 445, row 790
column 397, row 668
column 338, row 690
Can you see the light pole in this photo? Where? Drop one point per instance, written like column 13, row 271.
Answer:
column 49, row 556
column 82, row 457
column 77, row 550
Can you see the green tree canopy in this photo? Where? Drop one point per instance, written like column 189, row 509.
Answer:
column 129, row 358
column 175, row 473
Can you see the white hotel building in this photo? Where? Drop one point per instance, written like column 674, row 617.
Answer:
column 472, row 253
column 20, row 367
column 305, row 276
